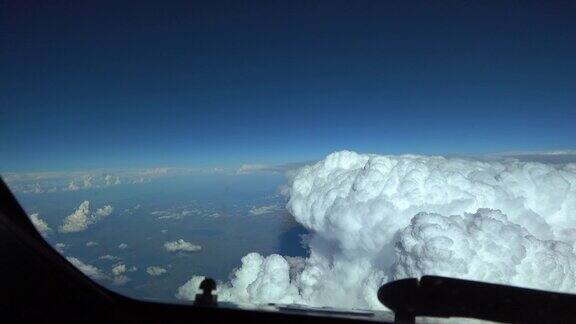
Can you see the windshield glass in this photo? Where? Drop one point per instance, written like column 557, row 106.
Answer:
column 296, row 152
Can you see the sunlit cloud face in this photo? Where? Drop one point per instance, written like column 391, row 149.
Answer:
column 373, row 219
column 83, row 217
column 118, row 269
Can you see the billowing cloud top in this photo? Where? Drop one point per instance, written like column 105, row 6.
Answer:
column 83, row 217
column 181, row 245
column 483, row 246
column 377, row 218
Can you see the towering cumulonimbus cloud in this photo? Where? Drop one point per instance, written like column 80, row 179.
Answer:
column 374, row 219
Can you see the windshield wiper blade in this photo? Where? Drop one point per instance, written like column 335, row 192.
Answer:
column 434, row 296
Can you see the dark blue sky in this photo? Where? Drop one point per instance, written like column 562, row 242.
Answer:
column 95, row 85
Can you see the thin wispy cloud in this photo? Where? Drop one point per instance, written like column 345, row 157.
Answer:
column 264, row 210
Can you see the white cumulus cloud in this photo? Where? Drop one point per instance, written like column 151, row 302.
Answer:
column 84, row 217
column 373, row 219
column 89, row 270
column 155, row 271
column 483, row 246
column 118, row 274
column 189, row 290
column 120, row 280
column 104, row 211
column 181, row 245
column 118, row 269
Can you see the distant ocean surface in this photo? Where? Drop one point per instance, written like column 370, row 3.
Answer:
column 229, row 216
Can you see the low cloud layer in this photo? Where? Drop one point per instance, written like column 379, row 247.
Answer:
column 181, row 245
column 48, row 182
column 177, row 215
column 192, row 209
column 263, row 210
column 373, row 219
column 258, row 168
column 84, row 217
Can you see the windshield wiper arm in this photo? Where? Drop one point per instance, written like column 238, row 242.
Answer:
column 447, row 297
